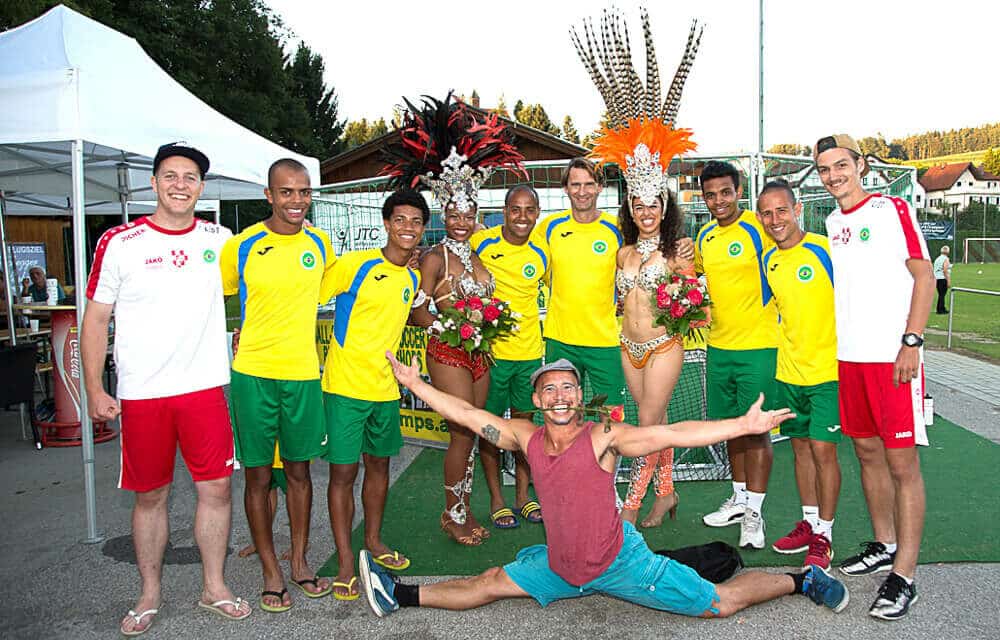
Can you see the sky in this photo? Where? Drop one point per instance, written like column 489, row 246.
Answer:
column 857, row 66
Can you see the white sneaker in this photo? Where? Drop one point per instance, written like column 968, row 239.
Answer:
column 729, row 513
column 752, row 530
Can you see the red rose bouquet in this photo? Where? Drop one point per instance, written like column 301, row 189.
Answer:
column 681, row 305
column 475, row 323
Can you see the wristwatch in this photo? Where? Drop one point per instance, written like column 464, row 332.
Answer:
column 912, row 340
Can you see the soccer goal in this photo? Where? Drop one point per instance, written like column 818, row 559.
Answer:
column 981, row 250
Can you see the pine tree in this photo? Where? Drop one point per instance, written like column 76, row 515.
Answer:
column 501, row 108
column 519, row 111
column 569, row 132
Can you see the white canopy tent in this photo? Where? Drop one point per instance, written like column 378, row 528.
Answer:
column 69, row 129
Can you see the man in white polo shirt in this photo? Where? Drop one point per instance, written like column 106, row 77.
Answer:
column 160, row 276
column 883, row 296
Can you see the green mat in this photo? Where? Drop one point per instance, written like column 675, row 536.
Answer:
column 962, row 511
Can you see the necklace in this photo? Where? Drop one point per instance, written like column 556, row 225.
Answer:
column 461, row 249
column 646, row 247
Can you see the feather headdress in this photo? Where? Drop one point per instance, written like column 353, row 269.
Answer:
column 450, row 149
column 640, row 134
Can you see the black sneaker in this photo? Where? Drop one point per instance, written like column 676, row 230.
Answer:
column 894, row 598
column 872, row 559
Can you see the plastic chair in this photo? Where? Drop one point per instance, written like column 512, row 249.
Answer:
column 17, row 370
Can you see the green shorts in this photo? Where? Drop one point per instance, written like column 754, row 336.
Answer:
column 817, row 412
column 510, row 386
column 734, row 379
column 265, row 411
column 601, row 366
column 278, row 480
column 354, row 426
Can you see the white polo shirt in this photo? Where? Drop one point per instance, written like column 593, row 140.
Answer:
column 170, row 325
column 869, row 246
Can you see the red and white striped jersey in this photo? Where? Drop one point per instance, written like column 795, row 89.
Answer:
column 869, row 246
column 170, row 325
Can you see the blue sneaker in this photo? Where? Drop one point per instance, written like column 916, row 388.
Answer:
column 378, row 585
column 822, row 588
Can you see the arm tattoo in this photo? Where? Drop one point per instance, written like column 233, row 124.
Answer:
column 492, row 434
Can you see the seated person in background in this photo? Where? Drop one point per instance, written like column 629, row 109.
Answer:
column 34, row 286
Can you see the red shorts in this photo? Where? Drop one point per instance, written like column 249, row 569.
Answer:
column 457, row 357
column 152, row 429
column 871, row 406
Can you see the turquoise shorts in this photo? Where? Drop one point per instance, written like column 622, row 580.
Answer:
column 637, row 575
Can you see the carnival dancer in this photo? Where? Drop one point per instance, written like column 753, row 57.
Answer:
column 374, row 291
column 519, row 265
column 880, row 322
column 641, row 139
column 589, row 548
column 800, row 274
column 276, row 267
column 445, row 147
column 160, row 277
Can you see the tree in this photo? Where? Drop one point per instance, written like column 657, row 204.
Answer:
column 991, row 161
column 307, row 85
column 789, row 149
column 569, row 132
column 378, row 129
column 501, row 108
column 518, row 110
column 534, row 115
column 358, row 132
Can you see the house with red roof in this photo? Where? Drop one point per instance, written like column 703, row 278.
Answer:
column 954, row 186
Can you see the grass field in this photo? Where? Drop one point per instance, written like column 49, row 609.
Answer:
column 976, row 325
column 968, row 156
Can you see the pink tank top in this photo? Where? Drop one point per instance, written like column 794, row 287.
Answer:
column 582, row 527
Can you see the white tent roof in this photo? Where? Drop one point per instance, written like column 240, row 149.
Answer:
column 66, row 77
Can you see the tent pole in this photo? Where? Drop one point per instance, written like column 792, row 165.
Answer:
column 9, row 297
column 123, row 190
column 80, row 266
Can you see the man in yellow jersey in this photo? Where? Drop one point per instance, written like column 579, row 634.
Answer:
column 374, row 291
column 800, row 273
column 742, row 343
column 518, row 264
column 582, row 243
column 276, row 266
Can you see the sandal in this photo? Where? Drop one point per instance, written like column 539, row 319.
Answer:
column 301, row 584
column 138, row 620
column 532, row 512
column 216, row 608
column 270, row 608
column 449, row 527
column 499, row 514
column 352, row 591
column 399, row 562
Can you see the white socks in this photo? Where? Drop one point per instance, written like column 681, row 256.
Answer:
column 824, row 528
column 740, row 491
column 890, row 547
column 755, row 501
column 810, row 513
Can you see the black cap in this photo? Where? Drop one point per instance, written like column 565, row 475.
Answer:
column 184, row 150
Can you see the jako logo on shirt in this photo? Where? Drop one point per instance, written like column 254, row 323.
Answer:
column 805, row 273
column 308, row 260
column 735, row 249
column 529, row 271
column 208, row 256
column 599, row 246
column 865, row 234
column 406, row 296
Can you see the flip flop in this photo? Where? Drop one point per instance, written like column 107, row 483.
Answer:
column 216, row 608
column 504, row 513
column 314, row 582
column 138, row 620
column 352, row 592
column 532, row 512
column 402, row 562
column 280, row 595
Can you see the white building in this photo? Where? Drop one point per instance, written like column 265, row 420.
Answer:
column 956, row 185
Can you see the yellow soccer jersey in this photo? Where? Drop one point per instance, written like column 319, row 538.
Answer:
column 582, row 270
column 373, row 299
column 517, row 269
column 278, row 279
column 802, row 281
column 731, row 257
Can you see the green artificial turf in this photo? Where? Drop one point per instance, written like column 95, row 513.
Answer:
column 962, row 511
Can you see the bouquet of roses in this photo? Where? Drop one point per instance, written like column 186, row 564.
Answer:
column 681, row 305
column 474, row 323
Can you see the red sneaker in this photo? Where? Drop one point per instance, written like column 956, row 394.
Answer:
column 820, row 553
column 797, row 541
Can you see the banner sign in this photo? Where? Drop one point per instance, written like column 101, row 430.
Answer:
column 937, row 229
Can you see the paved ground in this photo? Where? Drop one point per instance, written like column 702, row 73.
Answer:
column 56, row 587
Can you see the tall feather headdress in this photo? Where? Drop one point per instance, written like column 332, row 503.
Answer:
column 640, row 135
column 452, row 150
